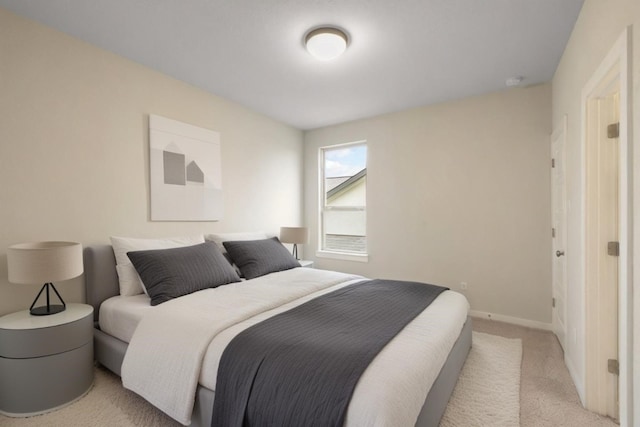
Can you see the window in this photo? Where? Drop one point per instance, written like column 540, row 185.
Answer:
column 343, row 204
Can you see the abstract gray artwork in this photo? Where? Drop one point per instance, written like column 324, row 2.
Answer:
column 194, row 173
column 173, row 164
column 185, row 171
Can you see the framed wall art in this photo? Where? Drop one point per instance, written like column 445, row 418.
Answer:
column 185, row 171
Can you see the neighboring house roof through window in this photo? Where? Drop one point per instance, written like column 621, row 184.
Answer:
column 348, row 182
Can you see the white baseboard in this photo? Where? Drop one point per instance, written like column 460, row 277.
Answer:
column 513, row 320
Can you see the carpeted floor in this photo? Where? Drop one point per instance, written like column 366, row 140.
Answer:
column 488, row 389
column 548, row 397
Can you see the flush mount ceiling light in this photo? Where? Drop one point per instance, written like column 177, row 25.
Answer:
column 514, row 81
column 326, row 43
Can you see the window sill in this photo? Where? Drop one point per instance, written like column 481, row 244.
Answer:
column 344, row 256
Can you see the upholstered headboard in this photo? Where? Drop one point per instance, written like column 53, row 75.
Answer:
column 100, row 275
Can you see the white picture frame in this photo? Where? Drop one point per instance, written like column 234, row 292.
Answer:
column 185, row 171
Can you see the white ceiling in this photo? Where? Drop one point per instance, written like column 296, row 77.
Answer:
column 402, row 53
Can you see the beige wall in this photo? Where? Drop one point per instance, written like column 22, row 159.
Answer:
column 457, row 192
column 74, row 150
column 598, row 27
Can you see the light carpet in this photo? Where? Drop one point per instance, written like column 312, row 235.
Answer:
column 548, row 397
column 488, row 390
column 487, row 394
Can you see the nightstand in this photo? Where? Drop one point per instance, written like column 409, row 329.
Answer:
column 306, row 263
column 45, row 361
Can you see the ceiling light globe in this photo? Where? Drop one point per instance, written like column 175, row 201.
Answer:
column 514, row 81
column 326, row 44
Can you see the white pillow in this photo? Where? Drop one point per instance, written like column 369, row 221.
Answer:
column 130, row 282
column 230, row 237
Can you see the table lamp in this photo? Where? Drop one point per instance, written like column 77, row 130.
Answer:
column 294, row 235
column 44, row 262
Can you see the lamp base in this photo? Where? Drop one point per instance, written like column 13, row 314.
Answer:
column 47, row 310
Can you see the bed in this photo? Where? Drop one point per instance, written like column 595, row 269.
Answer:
column 111, row 340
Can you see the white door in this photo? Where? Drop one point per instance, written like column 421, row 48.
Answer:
column 608, row 322
column 602, row 249
column 609, row 232
column 558, row 232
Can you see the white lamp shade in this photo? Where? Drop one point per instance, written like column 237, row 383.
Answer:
column 44, row 262
column 326, row 43
column 298, row 235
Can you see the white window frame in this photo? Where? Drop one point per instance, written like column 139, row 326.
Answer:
column 330, row 253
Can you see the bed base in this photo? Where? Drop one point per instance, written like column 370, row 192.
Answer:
column 101, row 282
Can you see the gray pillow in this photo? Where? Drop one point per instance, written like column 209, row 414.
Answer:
column 171, row 273
column 256, row 258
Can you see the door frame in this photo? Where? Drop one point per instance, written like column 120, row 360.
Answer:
column 614, row 69
column 559, row 136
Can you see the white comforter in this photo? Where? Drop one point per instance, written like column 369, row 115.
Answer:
column 179, row 343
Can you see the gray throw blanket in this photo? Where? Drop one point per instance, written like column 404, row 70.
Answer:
column 300, row 367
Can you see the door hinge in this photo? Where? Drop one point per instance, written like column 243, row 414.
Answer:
column 553, row 302
column 613, row 248
column 553, row 163
column 553, row 232
column 613, row 130
column 613, row 366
